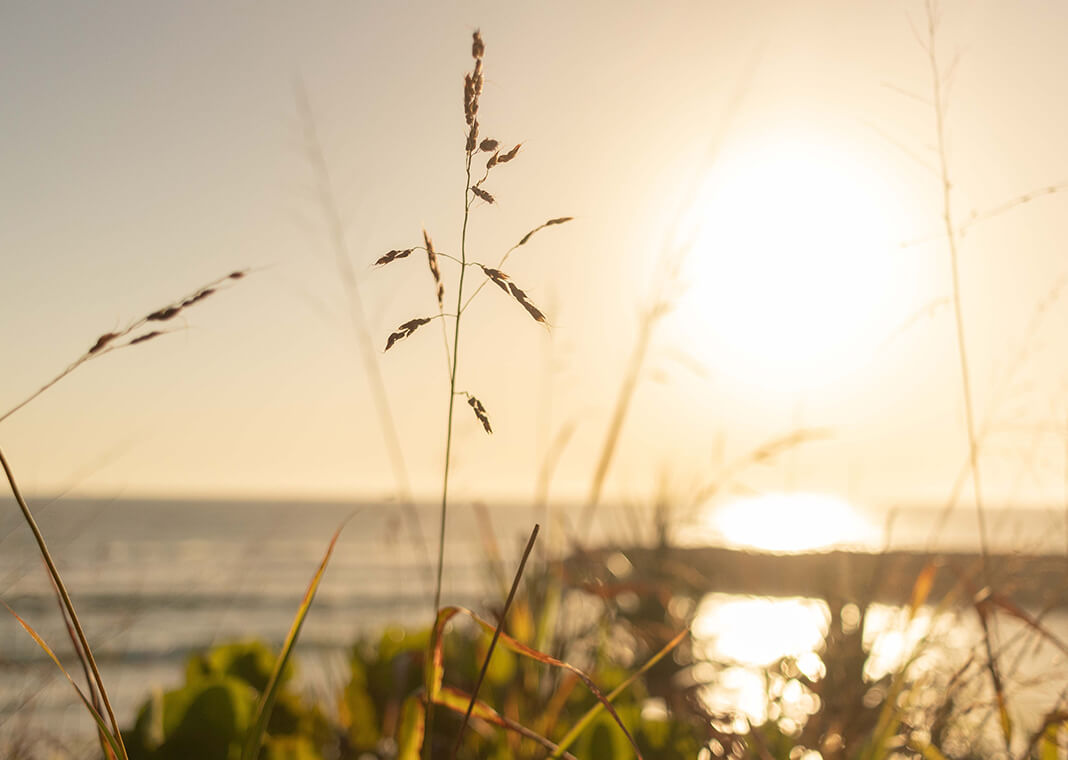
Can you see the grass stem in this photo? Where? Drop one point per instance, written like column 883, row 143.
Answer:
column 448, row 432
column 68, row 605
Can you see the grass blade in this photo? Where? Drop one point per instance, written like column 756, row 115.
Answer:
column 593, row 712
column 435, row 672
column 83, row 650
column 114, row 744
column 459, row 702
column 496, row 635
column 270, row 692
column 412, row 729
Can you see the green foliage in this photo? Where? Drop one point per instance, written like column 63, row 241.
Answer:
column 210, row 715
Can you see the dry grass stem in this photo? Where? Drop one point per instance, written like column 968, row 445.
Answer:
column 550, row 223
column 497, row 630
column 952, row 244
column 523, row 241
column 112, row 341
column 82, row 647
column 364, row 339
column 976, row 216
column 473, row 192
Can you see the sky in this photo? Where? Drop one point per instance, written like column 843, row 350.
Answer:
column 769, row 168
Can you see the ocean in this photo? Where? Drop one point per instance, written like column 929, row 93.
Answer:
column 154, row 581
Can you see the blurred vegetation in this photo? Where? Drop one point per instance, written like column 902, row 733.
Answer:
column 609, row 630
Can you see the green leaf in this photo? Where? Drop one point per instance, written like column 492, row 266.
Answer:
column 263, row 712
column 412, row 728
column 594, row 711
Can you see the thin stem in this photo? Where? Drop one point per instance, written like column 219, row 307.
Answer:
column 94, row 693
column 113, row 341
column 70, row 368
column 962, row 352
column 496, row 636
column 958, row 312
column 619, row 416
column 429, row 734
column 452, row 388
column 53, row 572
column 358, row 315
column 482, row 284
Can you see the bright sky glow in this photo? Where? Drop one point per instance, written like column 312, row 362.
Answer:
column 791, row 266
column 149, row 148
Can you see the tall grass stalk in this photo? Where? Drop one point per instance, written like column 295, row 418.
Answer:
column 646, row 329
column 454, row 366
column 357, row 313
column 85, row 651
column 148, row 327
column 952, row 243
column 473, row 191
column 666, row 289
column 496, row 636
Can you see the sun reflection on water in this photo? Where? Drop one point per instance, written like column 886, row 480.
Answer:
column 757, row 630
column 746, row 635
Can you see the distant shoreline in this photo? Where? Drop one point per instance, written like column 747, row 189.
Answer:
column 848, row 576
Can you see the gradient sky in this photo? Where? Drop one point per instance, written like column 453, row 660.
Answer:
column 148, row 148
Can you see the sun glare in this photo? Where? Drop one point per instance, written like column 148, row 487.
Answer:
column 789, row 265
column 789, row 522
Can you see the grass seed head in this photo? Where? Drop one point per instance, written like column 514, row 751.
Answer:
column 469, row 98
column 482, row 194
column 197, row 297
column 509, row 155
column 499, row 278
column 405, row 330
column 102, row 341
column 487, row 145
column 393, row 256
column 478, row 48
column 477, row 79
column 432, row 260
column 162, row 315
column 550, row 223
column 472, row 137
column 480, row 412
column 146, row 336
column 520, row 296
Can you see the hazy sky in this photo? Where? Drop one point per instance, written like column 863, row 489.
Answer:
column 148, row 148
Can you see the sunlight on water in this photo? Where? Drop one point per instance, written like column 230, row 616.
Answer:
column 759, row 631
column 788, row 522
column 746, row 635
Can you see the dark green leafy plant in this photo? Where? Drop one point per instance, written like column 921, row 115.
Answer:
column 210, row 715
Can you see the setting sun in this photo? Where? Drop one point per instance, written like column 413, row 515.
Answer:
column 789, row 266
